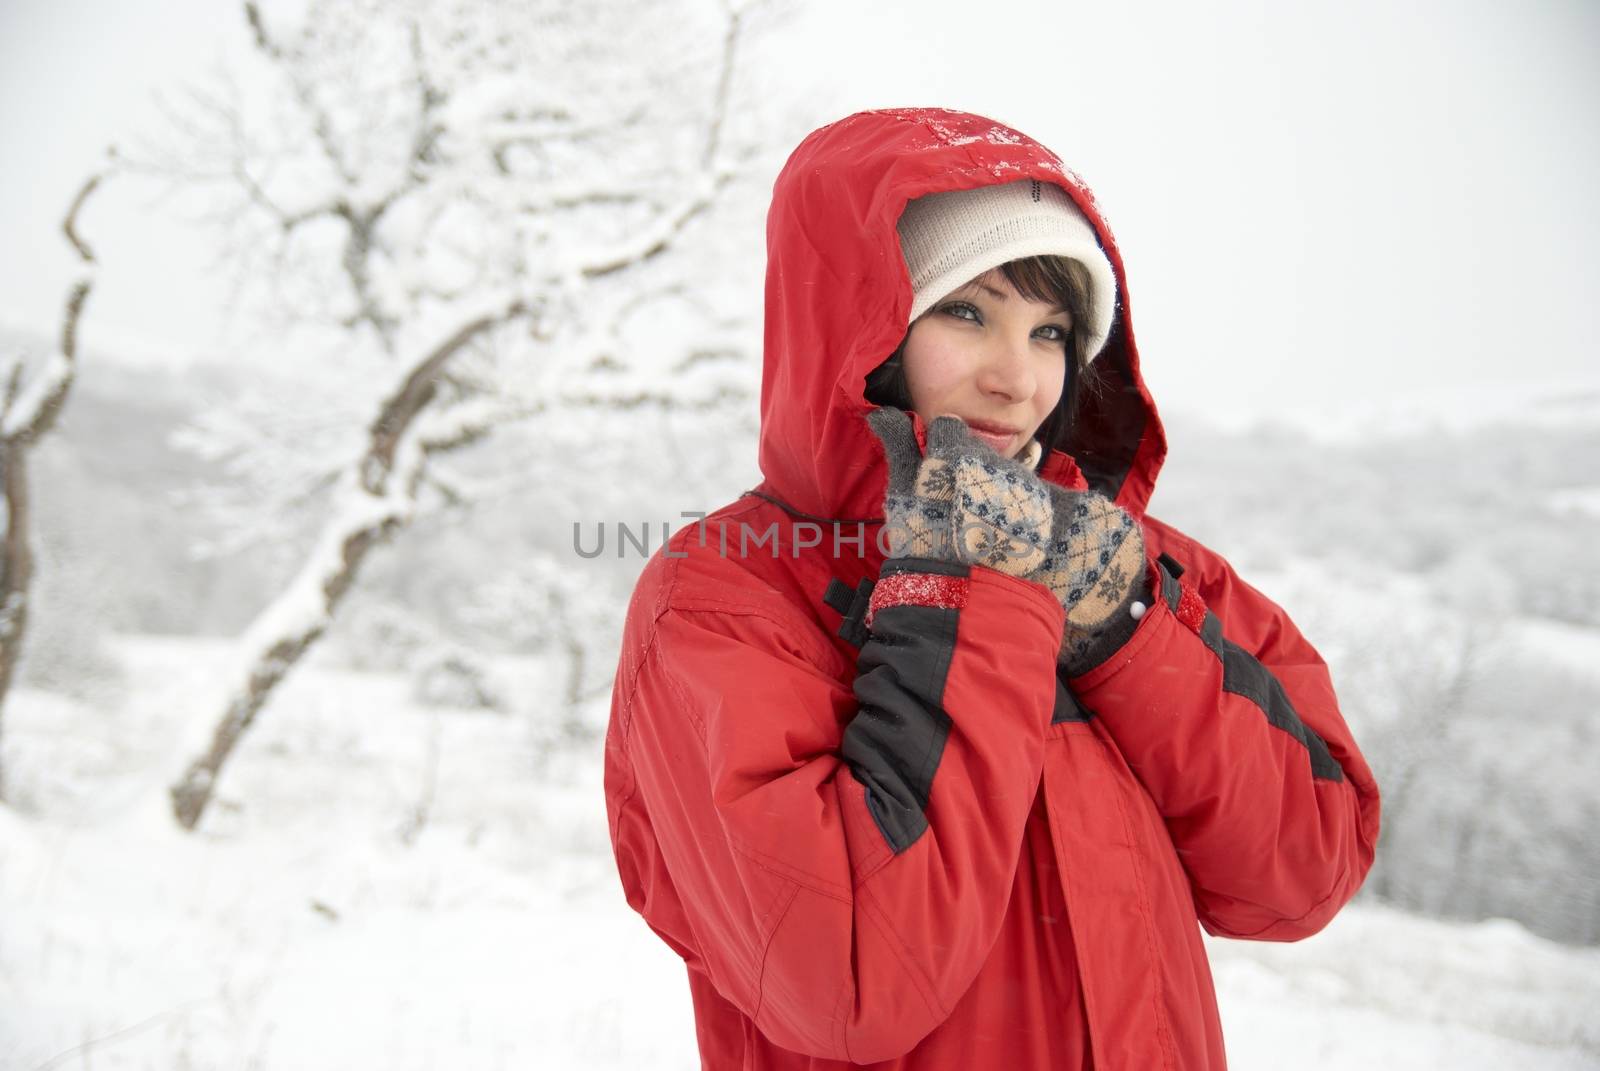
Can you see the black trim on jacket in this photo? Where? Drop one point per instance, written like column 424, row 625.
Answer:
column 1243, row 675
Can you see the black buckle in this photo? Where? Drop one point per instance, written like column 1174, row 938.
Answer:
column 852, row 603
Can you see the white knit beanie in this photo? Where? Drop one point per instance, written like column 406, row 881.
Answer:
column 949, row 239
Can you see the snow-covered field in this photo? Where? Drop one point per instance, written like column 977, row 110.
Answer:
column 385, row 885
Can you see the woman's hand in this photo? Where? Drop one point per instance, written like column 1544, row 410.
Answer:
column 1095, row 557
column 964, row 503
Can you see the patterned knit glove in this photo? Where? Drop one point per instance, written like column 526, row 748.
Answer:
column 962, row 502
column 965, row 503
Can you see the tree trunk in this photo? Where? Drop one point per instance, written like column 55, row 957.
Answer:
column 28, row 414
column 289, row 626
column 16, row 572
column 375, row 501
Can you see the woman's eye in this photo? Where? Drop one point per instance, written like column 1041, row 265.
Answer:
column 1053, row 332
column 961, row 310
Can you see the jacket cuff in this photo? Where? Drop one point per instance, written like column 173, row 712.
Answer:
column 928, row 582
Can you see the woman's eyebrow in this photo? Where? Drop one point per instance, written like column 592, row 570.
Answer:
column 1001, row 295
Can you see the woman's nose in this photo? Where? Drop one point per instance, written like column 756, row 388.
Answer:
column 1006, row 370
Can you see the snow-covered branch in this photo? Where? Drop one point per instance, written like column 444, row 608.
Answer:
column 417, row 390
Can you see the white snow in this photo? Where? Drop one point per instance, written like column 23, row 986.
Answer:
column 1576, row 501
column 298, row 929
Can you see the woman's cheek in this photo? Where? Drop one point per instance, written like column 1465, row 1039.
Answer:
column 934, row 373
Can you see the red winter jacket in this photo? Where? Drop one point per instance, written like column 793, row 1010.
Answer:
column 930, row 852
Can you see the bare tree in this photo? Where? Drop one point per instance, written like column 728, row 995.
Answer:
column 28, row 411
column 1430, row 686
column 442, row 211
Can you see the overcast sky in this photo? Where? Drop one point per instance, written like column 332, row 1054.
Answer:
column 1319, row 204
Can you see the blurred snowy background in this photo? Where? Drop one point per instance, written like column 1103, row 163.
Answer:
column 1360, row 243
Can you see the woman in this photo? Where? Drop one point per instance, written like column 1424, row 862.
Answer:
column 932, row 750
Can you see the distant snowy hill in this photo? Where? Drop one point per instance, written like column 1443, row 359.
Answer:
column 1452, row 408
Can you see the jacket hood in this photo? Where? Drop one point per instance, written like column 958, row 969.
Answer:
column 838, row 298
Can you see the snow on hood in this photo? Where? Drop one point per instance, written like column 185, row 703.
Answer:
column 838, row 299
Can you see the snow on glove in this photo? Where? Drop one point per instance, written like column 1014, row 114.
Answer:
column 962, row 502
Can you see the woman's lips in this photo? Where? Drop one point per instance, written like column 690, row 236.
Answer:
column 998, row 438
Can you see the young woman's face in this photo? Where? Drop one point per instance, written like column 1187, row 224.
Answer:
column 992, row 357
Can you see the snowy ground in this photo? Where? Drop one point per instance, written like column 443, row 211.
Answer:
column 313, row 922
